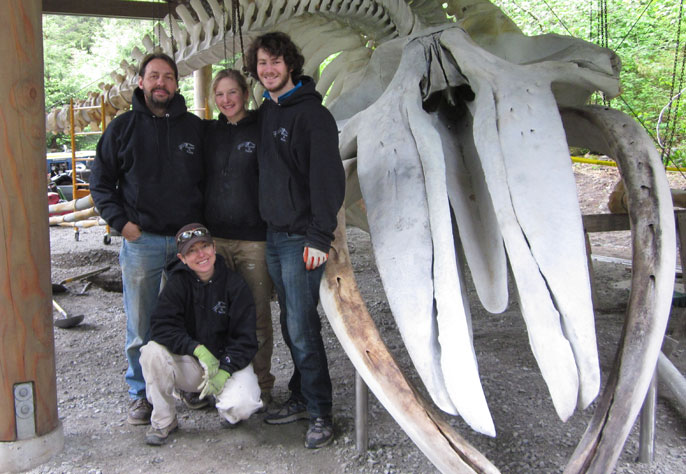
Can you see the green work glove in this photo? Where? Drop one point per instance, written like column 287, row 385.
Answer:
column 215, row 385
column 209, row 363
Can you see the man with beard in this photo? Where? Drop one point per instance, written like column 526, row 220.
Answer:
column 146, row 183
column 301, row 189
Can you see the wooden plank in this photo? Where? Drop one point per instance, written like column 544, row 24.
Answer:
column 605, row 222
column 617, row 222
column 109, row 8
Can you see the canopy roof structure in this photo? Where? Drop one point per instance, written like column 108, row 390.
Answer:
column 110, row 8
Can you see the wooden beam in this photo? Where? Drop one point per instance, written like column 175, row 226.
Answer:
column 110, row 8
column 615, row 222
column 605, row 222
column 30, row 430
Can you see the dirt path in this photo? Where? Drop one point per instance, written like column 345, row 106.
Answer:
column 93, row 402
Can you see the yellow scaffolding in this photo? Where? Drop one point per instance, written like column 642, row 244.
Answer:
column 80, row 190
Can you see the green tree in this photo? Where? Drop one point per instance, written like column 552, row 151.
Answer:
column 81, row 52
column 644, row 33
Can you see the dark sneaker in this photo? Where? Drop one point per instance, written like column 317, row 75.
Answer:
column 139, row 412
column 319, row 434
column 292, row 410
column 158, row 436
column 192, row 400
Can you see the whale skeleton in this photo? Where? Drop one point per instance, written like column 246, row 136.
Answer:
column 456, row 134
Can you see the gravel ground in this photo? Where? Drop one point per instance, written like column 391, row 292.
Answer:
column 92, row 397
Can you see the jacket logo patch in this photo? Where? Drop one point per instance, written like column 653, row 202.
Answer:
column 248, row 147
column 220, row 307
column 189, row 148
column 281, row 134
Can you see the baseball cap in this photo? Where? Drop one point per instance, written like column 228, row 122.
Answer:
column 190, row 234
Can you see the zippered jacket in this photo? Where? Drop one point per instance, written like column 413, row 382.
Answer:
column 231, row 179
column 302, row 182
column 149, row 169
column 219, row 314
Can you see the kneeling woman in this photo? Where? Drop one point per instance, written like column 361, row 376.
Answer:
column 202, row 337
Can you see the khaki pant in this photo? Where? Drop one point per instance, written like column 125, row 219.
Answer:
column 165, row 373
column 247, row 258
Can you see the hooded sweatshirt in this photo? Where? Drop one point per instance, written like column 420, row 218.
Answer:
column 231, row 179
column 149, row 169
column 302, row 182
column 219, row 314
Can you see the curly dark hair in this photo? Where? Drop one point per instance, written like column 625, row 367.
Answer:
column 163, row 57
column 277, row 44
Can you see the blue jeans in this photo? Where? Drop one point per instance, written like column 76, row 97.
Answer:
column 298, row 293
column 142, row 267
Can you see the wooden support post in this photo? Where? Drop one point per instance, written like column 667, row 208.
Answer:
column 202, row 79
column 30, row 431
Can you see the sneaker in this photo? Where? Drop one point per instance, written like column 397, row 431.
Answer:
column 319, row 434
column 139, row 412
column 158, row 436
column 292, row 410
column 192, row 400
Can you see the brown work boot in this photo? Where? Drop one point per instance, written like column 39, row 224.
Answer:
column 158, row 436
column 139, row 412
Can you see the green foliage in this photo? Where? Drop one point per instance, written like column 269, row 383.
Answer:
column 79, row 53
column 644, row 35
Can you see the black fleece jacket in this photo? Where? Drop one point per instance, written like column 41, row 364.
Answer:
column 219, row 314
column 302, row 182
column 231, row 177
column 149, row 169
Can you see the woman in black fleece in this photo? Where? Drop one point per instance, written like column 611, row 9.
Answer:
column 231, row 205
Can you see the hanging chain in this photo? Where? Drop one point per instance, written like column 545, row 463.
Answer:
column 226, row 58
column 590, row 21
column 155, row 34
column 671, row 120
column 238, row 23
column 606, row 29
column 171, row 31
column 602, row 33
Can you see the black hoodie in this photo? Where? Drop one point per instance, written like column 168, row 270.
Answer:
column 149, row 169
column 302, row 182
column 219, row 314
column 231, row 176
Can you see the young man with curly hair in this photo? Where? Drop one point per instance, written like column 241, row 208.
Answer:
column 301, row 189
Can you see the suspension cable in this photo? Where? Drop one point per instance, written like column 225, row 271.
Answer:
column 638, row 119
column 634, row 24
column 558, row 18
